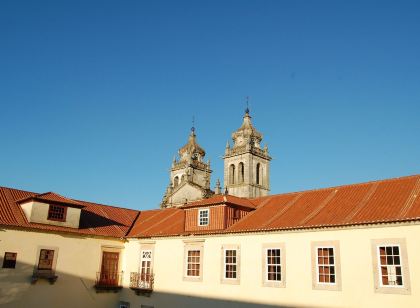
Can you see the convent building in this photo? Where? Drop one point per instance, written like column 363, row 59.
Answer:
column 237, row 245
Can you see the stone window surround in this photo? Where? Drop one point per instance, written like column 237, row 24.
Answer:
column 337, row 265
column 282, row 282
column 405, row 289
column 196, row 244
column 236, row 280
column 111, row 248
column 38, row 254
column 150, row 246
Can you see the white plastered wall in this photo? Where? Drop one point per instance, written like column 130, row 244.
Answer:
column 357, row 279
column 78, row 260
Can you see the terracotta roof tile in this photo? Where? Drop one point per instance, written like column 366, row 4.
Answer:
column 388, row 200
column 52, row 197
column 391, row 200
column 158, row 223
column 96, row 219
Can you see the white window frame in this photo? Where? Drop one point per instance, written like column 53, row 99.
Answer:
column 378, row 253
column 197, row 245
column 405, row 288
column 316, row 284
column 329, row 265
column 267, row 265
column 264, row 269
column 225, row 279
column 201, row 219
column 193, row 263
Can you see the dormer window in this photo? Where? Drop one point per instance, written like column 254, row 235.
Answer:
column 57, row 212
column 203, row 217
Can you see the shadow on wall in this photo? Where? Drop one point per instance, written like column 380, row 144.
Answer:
column 170, row 300
column 17, row 291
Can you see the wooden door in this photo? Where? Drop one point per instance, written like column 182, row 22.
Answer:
column 109, row 269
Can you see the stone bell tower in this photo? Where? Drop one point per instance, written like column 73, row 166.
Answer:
column 246, row 164
column 189, row 175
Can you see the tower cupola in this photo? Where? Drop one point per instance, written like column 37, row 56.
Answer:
column 246, row 164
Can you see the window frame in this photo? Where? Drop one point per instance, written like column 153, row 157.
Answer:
column 224, row 279
column 379, row 287
column 196, row 245
column 54, row 261
column 9, row 263
column 316, row 283
column 274, row 283
column 330, row 265
column 199, row 217
column 51, row 212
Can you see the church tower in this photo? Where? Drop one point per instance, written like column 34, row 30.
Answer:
column 246, row 164
column 189, row 175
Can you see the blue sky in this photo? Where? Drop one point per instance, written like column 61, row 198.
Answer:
column 97, row 96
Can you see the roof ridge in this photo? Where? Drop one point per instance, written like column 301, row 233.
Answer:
column 341, row 186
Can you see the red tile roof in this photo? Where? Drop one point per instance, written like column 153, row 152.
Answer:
column 164, row 222
column 390, row 200
column 385, row 201
column 52, row 197
column 96, row 219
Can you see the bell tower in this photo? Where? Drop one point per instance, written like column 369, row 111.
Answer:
column 246, row 164
column 189, row 177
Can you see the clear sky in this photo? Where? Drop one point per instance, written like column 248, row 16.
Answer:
column 96, row 97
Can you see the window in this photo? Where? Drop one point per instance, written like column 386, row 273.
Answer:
column 325, row 265
column 57, row 212
column 273, row 265
column 9, row 260
column 231, row 266
column 326, row 270
column 193, row 264
column 46, row 258
column 203, row 217
column 257, row 173
column 176, row 181
column 236, row 213
column 232, row 174
column 390, row 266
column 241, row 172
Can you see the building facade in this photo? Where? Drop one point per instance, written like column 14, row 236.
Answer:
column 346, row 246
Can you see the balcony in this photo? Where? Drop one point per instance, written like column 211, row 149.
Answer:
column 142, row 283
column 44, row 274
column 108, row 281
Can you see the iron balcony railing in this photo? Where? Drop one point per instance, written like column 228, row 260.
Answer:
column 141, row 281
column 108, row 279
